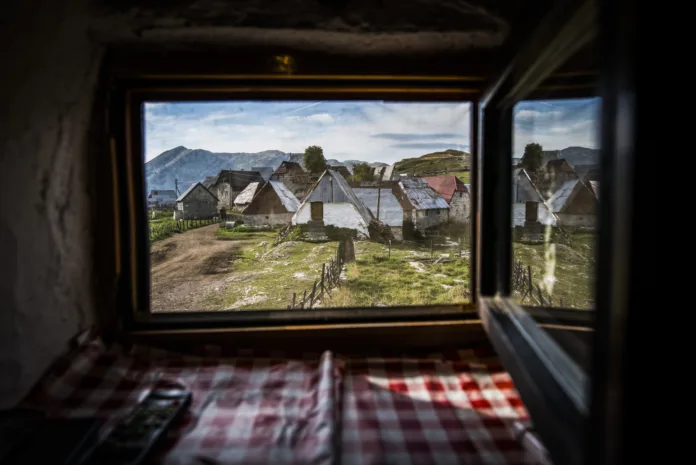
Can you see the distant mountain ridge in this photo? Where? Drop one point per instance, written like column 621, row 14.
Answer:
column 188, row 166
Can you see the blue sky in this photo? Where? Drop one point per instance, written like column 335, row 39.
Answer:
column 363, row 130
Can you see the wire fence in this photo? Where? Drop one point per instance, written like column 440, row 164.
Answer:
column 159, row 231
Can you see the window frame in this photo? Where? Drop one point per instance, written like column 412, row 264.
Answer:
column 126, row 95
column 574, row 408
column 553, row 385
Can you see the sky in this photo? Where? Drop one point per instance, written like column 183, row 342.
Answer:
column 371, row 131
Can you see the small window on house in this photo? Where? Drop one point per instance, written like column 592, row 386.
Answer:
column 352, row 235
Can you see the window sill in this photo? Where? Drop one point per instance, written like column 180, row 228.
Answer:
column 372, row 337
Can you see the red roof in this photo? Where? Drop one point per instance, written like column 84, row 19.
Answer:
column 446, row 186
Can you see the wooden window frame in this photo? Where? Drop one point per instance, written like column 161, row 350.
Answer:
column 576, row 408
column 404, row 327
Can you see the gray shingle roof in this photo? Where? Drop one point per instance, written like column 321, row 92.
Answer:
column 247, row 194
column 558, row 201
column 287, row 198
column 190, row 189
column 390, row 211
column 421, row 195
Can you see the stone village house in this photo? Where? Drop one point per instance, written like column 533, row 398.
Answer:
column 455, row 193
column 425, row 208
column 196, row 203
column 294, row 177
column 273, row 205
column 228, row 184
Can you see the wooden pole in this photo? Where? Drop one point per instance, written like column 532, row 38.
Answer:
column 529, row 280
column 304, row 298
column 293, row 299
column 389, row 249
column 311, row 296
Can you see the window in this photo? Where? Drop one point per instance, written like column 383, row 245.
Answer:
column 331, row 231
column 540, row 134
column 555, row 200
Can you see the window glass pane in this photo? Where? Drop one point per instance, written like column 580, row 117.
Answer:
column 555, row 195
column 271, row 205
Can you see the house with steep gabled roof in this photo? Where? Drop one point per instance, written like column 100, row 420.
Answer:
column 244, row 198
column 294, row 177
column 273, row 205
column 333, row 199
column 424, row 207
column 228, row 184
column 455, row 193
column 196, row 203
column 575, row 204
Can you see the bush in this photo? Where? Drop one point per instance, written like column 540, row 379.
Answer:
column 336, row 234
column 380, row 232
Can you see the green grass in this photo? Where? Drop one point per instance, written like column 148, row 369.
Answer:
column 263, row 276
column 464, row 176
column 242, row 232
column 451, row 161
column 569, row 269
column 378, row 279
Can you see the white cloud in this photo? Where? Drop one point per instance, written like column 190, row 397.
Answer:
column 348, row 130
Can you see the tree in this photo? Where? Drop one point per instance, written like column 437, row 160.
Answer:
column 314, row 159
column 363, row 172
column 532, row 158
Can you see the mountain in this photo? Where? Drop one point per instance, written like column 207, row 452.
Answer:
column 449, row 160
column 580, row 156
column 193, row 165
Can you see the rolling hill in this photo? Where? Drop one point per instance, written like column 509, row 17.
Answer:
column 448, row 161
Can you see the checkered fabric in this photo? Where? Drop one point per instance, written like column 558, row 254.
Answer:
column 251, row 408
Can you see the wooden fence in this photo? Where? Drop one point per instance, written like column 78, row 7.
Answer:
column 166, row 229
column 523, row 283
column 330, row 274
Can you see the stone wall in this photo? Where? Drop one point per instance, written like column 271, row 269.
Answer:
column 271, row 219
column 424, row 219
column 460, row 207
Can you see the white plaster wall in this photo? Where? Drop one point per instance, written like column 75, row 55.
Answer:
column 341, row 215
column 46, row 248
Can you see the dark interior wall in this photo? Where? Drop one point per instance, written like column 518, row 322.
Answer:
column 49, row 72
column 51, row 54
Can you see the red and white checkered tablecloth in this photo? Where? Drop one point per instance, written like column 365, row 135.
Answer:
column 251, row 408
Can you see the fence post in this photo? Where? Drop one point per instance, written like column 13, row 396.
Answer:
column 304, row 298
column 311, row 296
column 431, row 249
column 529, row 282
column 293, row 300
column 541, row 297
column 389, row 257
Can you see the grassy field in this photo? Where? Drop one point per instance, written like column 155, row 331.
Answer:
column 564, row 271
column 262, row 276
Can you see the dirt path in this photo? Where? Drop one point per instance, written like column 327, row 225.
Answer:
column 189, row 269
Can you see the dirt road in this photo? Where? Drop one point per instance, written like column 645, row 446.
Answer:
column 189, row 269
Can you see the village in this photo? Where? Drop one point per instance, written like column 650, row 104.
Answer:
column 294, row 237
